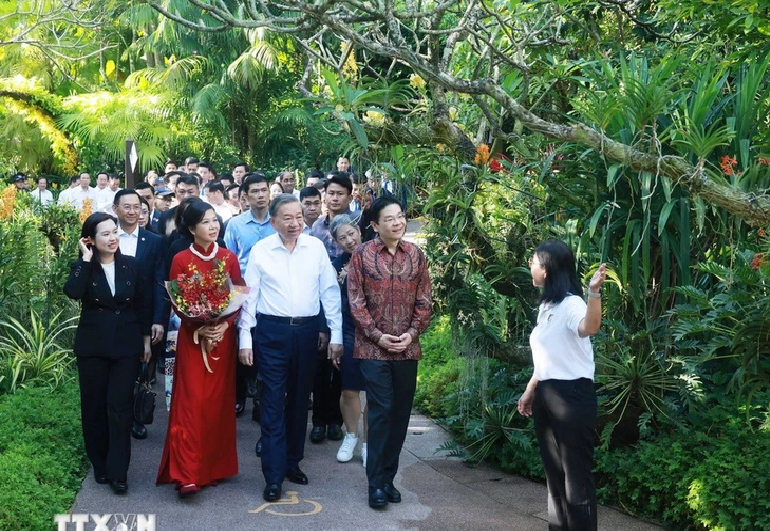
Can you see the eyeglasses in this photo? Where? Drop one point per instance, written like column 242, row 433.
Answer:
column 531, row 262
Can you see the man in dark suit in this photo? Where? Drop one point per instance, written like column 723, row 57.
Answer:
column 147, row 248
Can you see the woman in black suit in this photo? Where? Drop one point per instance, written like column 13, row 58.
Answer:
column 114, row 330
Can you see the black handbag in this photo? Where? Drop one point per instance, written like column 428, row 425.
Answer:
column 144, row 399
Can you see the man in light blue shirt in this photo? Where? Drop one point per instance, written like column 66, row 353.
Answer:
column 241, row 234
column 253, row 225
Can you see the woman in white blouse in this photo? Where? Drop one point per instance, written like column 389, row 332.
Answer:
column 561, row 391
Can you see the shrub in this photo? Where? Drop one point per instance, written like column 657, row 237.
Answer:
column 34, row 355
column 715, row 476
column 42, row 460
column 439, row 371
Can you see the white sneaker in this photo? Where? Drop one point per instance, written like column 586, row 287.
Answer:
column 363, row 453
column 348, row 446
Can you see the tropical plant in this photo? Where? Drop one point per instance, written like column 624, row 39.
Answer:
column 724, row 327
column 34, row 356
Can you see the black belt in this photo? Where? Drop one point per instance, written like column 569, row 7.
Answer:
column 291, row 321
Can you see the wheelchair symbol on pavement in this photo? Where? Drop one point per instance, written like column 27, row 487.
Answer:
column 291, row 499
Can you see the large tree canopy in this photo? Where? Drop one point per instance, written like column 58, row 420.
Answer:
column 494, row 51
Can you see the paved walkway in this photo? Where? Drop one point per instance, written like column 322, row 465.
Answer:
column 439, row 493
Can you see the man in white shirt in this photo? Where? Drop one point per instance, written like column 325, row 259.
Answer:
column 104, row 195
column 290, row 275
column 41, row 194
column 64, row 194
column 288, row 181
column 216, row 198
column 79, row 195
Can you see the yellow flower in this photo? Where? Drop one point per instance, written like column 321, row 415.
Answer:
column 86, row 210
column 374, row 117
column 453, row 113
column 441, row 148
column 7, row 200
column 417, row 82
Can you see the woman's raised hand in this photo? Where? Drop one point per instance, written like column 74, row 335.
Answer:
column 85, row 249
column 598, row 279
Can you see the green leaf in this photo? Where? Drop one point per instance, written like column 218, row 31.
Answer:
column 359, row 133
column 664, row 215
column 595, row 219
column 612, row 175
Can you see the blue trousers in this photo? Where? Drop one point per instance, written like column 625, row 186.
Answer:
column 286, row 359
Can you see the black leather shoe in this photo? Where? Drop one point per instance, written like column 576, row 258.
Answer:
column 119, row 487
column 259, row 447
column 138, row 431
column 392, row 493
column 239, row 408
column 334, row 432
column 377, row 498
column 102, row 479
column 272, row 492
column 318, row 434
column 297, row 476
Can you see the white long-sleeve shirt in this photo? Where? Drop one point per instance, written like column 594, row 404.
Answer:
column 290, row 284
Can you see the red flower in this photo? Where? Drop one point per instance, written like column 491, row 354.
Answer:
column 201, row 295
column 758, row 261
column 728, row 164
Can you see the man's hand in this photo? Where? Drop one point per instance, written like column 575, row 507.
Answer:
column 246, row 356
column 157, row 333
column 395, row 344
column 323, row 340
column 334, row 351
column 147, row 354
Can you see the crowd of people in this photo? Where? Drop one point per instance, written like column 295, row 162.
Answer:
column 336, row 305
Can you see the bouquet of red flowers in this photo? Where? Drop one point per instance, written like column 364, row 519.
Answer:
column 206, row 298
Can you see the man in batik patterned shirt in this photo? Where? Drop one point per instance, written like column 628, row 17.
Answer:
column 390, row 300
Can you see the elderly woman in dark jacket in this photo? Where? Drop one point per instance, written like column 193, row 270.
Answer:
column 112, row 336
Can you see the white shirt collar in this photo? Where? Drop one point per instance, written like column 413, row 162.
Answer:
column 277, row 241
column 122, row 233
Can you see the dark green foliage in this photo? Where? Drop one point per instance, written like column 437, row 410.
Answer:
column 42, row 461
column 475, row 399
column 715, row 476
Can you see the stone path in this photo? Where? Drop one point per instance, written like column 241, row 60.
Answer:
column 439, row 493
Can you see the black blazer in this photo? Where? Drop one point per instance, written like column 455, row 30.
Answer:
column 166, row 224
column 110, row 326
column 149, row 259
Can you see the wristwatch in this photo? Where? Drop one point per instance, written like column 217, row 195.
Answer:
column 594, row 295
